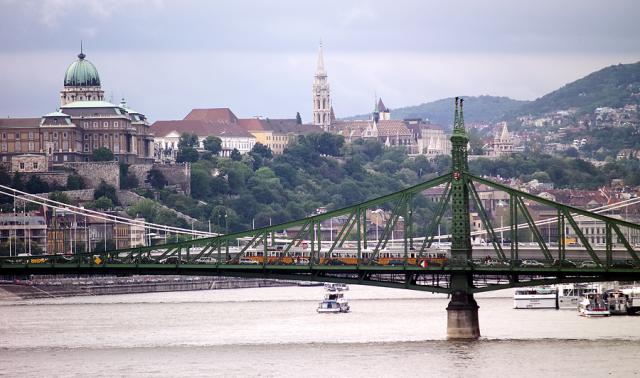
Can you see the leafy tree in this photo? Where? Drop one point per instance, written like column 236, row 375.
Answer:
column 235, row 155
column 102, row 203
column 59, row 197
column 188, row 141
column 127, row 179
column 75, row 182
column 213, row 144
column 187, row 155
column 17, row 181
column 106, row 190
column 102, row 154
column 156, row 178
column 36, row 185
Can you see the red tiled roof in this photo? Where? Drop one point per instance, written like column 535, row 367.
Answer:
column 280, row 126
column 7, row 123
column 222, row 115
column 200, row 128
column 392, row 128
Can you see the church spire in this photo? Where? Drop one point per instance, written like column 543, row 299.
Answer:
column 322, row 109
column 320, row 66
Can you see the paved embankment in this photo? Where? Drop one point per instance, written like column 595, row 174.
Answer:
column 66, row 287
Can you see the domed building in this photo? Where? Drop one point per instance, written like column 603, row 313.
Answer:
column 81, row 82
column 84, row 122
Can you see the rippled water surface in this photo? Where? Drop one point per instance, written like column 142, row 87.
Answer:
column 276, row 332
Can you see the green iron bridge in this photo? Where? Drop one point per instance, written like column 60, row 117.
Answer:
column 392, row 241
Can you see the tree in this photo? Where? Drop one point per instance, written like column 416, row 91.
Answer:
column 235, row 155
column 60, row 197
column 102, row 154
column 188, row 141
column 106, row 190
column 127, row 179
column 187, row 155
column 213, row 144
column 75, row 182
column 298, row 118
column 36, row 185
column 156, row 178
column 102, row 203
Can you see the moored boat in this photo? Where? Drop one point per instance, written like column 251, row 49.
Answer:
column 592, row 304
column 616, row 302
column 569, row 295
column 535, row 297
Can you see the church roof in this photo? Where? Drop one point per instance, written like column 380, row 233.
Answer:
column 392, row 128
column 88, row 104
column 200, row 128
column 212, row 114
column 381, row 107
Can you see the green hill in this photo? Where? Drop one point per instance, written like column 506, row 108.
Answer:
column 613, row 86
column 477, row 109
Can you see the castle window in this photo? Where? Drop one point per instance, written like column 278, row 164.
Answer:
column 30, row 134
column 64, row 157
column 17, row 136
column 35, row 165
column 4, row 147
column 4, row 135
column 86, row 147
column 105, row 124
column 18, row 146
column 115, row 124
column 85, row 124
column 95, row 125
column 30, row 146
column 86, row 136
column 21, row 165
column 64, row 135
column 55, row 135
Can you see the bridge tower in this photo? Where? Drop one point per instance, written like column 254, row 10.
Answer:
column 462, row 311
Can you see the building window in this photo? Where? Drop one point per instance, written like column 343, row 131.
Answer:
column 35, row 165
column 30, row 146
column 55, row 135
column 4, row 135
column 85, row 124
column 95, row 125
column 18, row 146
column 86, row 136
column 105, row 124
column 86, row 147
column 30, row 134
column 4, row 147
column 21, row 165
column 64, row 135
column 115, row 124
column 64, row 157
column 17, row 136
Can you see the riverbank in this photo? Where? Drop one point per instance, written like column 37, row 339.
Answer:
column 54, row 287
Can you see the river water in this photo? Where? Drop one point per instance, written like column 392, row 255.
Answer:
column 276, row 332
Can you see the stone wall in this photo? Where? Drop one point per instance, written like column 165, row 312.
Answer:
column 178, row 175
column 76, row 196
column 129, row 198
column 51, row 178
column 95, row 172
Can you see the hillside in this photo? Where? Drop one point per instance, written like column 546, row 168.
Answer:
column 477, row 109
column 613, row 86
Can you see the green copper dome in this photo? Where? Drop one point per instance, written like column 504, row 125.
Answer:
column 81, row 73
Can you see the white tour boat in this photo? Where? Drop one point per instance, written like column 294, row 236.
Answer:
column 592, row 304
column 633, row 299
column 569, row 295
column 334, row 302
column 334, row 286
column 535, row 297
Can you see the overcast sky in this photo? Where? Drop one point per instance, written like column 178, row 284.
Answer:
column 259, row 57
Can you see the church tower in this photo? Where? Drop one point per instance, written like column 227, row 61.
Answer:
column 322, row 109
